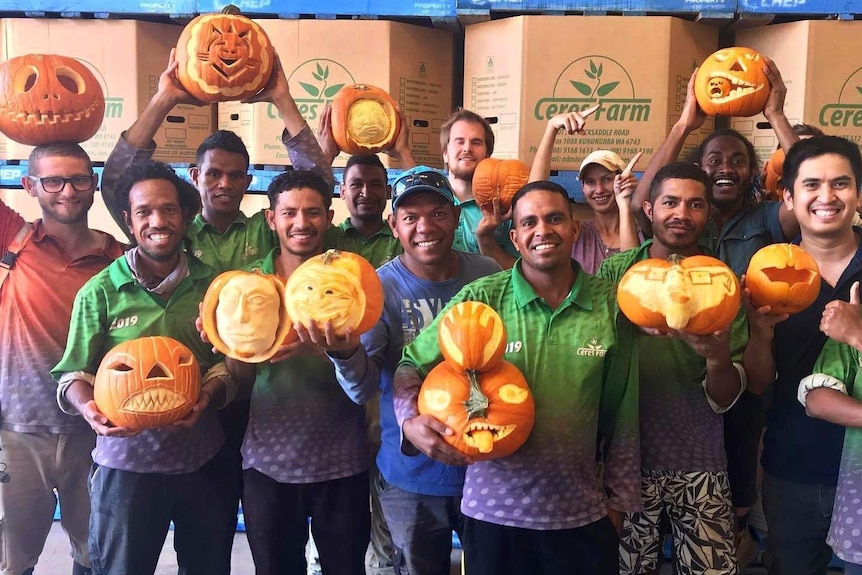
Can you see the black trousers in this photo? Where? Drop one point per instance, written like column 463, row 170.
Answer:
column 276, row 516
column 491, row 549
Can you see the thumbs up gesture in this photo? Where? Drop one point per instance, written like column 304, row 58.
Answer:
column 842, row 320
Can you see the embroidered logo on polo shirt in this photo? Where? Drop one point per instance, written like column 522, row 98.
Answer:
column 250, row 251
column 593, row 347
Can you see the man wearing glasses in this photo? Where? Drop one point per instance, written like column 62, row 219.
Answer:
column 43, row 448
column 420, row 497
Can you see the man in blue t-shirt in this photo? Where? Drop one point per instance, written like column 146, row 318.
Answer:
column 420, row 497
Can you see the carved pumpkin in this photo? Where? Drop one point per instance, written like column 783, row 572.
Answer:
column 147, row 382
column 697, row 294
column 772, row 172
column 498, row 179
column 492, row 413
column 731, row 82
column 472, row 336
column 364, row 119
column 784, row 277
column 335, row 286
column 244, row 317
column 49, row 98
column 224, row 57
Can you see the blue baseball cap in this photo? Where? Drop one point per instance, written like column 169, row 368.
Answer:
column 421, row 179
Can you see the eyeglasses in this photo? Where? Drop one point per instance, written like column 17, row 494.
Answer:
column 55, row 184
column 432, row 179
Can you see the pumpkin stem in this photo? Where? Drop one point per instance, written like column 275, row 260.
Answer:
column 230, row 9
column 477, row 404
column 330, row 255
column 675, row 259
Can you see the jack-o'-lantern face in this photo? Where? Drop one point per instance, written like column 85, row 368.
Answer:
column 492, row 413
column 49, row 98
column 364, row 119
column 224, row 57
column 243, row 315
column 697, row 294
column 731, row 82
column 337, row 287
column 147, row 382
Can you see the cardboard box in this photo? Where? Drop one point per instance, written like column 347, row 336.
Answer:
column 520, row 72
column 821, row 65
column 128, row 57
column 413, row 64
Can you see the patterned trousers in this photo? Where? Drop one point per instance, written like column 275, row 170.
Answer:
column 698, row 507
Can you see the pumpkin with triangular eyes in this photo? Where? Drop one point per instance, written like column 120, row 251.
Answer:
column 147, row 382
column 224, row 56
column 491, row 412
column 731, row 82
column 49, row 98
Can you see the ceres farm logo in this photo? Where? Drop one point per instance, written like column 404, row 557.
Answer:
column 313, row 84
column 595, row 80
column 593, row 347
column 848, row 110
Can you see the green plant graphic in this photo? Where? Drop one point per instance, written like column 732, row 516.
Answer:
column 859, row 88
column 600, row 90
column 321, row 75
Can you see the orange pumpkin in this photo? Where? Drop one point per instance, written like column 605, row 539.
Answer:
column 244, row 317
column 335, row 286
column 472, row 336
column 784, row 277
column 49, row 98
column 499, row 179
column 697, row 294
column 224, row 56
column 772, row 172
column 365, row 119
column 147, row 382
column 492, row 413
column 731, row 82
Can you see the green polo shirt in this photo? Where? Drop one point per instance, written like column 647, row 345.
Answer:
column 465, row 235
column 679, row 430
column 377, row 249
column 113, row 307
column 581, row 365
column 245, row 241
column 302, row 428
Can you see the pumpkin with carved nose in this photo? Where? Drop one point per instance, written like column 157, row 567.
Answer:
column 491, row 412
column 698, row 294
column 783, row 276
column 49, row 98
column 224, row 56
column 365, row 119
column 147, row 382
column 244, row 317
column 731, row 82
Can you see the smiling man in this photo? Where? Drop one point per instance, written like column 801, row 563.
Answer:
column 141, row 481
column 539, row 509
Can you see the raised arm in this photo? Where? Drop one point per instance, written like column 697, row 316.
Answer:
column 572, row 123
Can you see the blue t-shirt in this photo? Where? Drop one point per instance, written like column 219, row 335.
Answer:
column 410, row 304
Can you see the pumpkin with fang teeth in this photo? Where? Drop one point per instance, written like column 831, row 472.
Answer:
column 784, row 277
column 492, row 412
column 698, row 294
column 49, row 98
column 224, row 56
column 147, row 382
column 731, row 82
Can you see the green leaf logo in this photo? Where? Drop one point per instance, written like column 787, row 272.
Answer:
column 590, row 75
column 593, row 68
column 320, row 75
column 310, row 89
column 603, row 91
column 582, row 88
column 859, row 88
column 332, row 90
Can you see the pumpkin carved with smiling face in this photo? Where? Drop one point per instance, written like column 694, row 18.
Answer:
column 784, row 277
column 49, row 98
column 731, row 82
column 224, row 57
column 147, row 382
column 697, row 295
column 338, row 287
column 491, row 412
